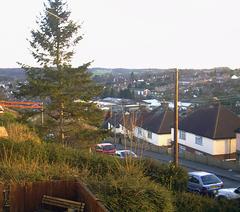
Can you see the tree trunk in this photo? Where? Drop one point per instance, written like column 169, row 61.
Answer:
column 62, row 137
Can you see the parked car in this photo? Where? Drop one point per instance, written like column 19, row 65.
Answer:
column 106, row 148
column 228, row 193
column 125, row 153
column 204, row 183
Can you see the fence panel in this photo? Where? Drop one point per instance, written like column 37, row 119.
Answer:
column 16, row 198
column 28, row 197
column 92, row 203
column 1, row 197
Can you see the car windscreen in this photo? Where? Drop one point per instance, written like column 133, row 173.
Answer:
column 210, row 179
column 108, row 147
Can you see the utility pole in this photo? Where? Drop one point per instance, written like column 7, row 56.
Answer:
column 176, row 120
column 42, row 115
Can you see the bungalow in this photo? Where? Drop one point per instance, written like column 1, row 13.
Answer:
column 123, row 122
column 112, row 122
column 155, row 127
column 209, row 131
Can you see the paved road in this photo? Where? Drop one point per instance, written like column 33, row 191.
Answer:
column 230, row 178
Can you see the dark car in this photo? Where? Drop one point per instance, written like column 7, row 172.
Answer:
column 106, row 148
column 204, row 183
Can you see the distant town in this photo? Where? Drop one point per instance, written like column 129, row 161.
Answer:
column 152, row 90
column 197, row 87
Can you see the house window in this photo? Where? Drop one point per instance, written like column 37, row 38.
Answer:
column 198, row 140
column 150, row 135
column 182, row 135
column 139, row 131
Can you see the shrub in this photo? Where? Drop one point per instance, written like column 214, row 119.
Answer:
column 131, row 191
column 21, row 133
column 185, row 202
column 28, row 171
column 174, row 178
column 7, row 118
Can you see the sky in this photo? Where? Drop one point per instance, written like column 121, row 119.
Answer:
column 134, row 33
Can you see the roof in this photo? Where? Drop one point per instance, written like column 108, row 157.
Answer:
column 199, row 173
column 159, row 121
column 215, row 122
column 104, row 144
column 124, row 150
column 152, row 102
column 134, row 118
column 115, row 119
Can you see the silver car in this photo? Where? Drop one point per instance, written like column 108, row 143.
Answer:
column 228, row 193
column 203, row 183
column 125, row 153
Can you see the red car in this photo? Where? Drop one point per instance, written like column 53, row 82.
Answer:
column 106, row 148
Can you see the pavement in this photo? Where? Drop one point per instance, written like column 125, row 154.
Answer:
column 228, row 174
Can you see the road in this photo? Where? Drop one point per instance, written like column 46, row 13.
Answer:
column 230, row 178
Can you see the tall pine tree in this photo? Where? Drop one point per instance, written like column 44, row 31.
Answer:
column 67, row 91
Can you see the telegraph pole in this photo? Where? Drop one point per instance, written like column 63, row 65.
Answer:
column 42, row 115
column 176, row 120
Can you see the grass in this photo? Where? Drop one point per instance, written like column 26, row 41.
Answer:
column 21, row 133
column 122, row 185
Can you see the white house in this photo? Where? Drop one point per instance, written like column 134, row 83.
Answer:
column 155, row 127
column 209, row 131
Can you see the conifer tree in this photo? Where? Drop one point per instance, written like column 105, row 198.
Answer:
column 66, row 91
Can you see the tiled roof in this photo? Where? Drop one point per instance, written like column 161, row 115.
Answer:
column 215, row 122
column 159, row 121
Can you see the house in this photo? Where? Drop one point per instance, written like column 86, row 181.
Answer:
column 138, row 92
column 112, row 122
column 155, row 127
column 124, row 122
column 209, row 131
column 237, row 131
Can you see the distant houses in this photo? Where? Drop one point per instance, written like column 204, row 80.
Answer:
column 207, row 131
column 151, row 126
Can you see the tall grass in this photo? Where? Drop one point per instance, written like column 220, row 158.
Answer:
column 21, row 133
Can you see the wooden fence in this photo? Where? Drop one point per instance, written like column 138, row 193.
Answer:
column 27, row 197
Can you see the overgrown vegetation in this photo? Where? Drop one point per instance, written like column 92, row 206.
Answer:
column 122, row 185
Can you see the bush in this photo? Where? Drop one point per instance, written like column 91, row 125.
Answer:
column 174, row 178
column 21, row 133
column 131, row 191
column 185, row 202
column 7, row 118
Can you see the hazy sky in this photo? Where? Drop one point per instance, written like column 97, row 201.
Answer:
column 134, row 33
